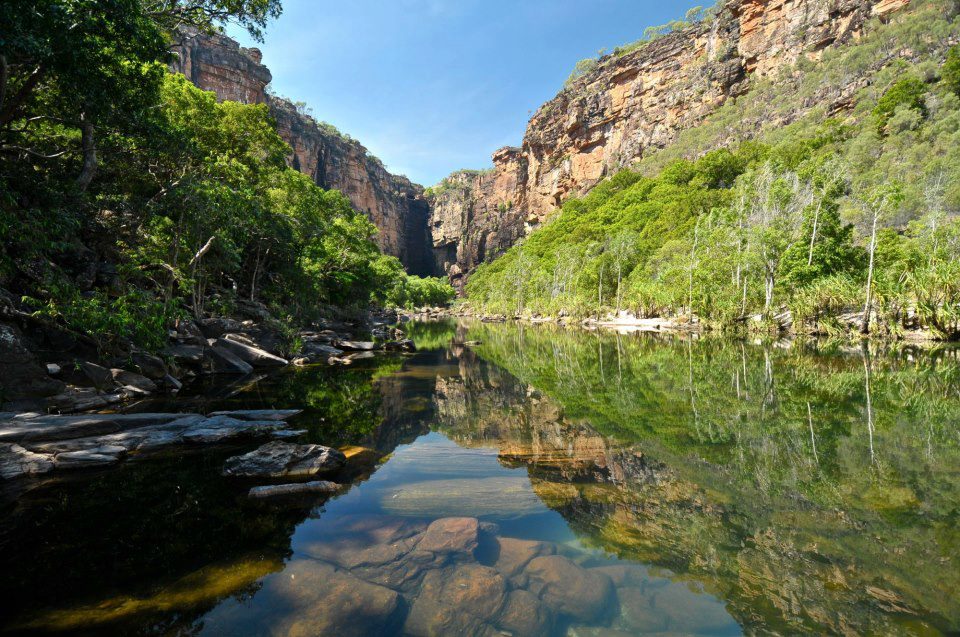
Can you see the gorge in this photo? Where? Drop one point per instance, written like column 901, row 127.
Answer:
column 628, row 106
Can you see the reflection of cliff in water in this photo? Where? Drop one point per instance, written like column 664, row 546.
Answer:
column 740, row 523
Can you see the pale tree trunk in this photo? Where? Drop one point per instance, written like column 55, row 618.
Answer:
column 693, row 265
column 868, row 306
column 600, row 292
column 813, row 235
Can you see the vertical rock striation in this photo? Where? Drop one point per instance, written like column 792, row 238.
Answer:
column 626, row 107
column 394, row 204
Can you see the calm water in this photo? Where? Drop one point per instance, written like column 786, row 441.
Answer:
column 543, row 482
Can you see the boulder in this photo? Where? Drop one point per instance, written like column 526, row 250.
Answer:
column 285, row 460
column 132, row 379
column 313, row 598
column 149, row 365
column 217, row 327
column 296, row 489
column 255, row 356
column 403, row 345
column 189, row 332
column 186, row 354
column 21, row 375
column 218, row 360
column 569, row 589
column 100, row 377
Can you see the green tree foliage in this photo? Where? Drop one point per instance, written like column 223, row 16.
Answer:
column 783, row 224
column 107, row 155
column 907, row 94
column 951, row 70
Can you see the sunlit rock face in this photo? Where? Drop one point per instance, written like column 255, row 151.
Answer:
column 629, row 106
column 392, row 202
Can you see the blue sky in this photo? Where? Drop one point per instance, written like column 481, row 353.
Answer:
column 431, row 86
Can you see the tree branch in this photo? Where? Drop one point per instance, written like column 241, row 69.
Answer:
column 202, row 251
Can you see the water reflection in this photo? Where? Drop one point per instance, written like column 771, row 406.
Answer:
column 540, row 482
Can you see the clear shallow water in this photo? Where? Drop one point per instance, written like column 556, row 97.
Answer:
column 619, row 485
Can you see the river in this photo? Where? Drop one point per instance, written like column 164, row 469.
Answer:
column 518, row 480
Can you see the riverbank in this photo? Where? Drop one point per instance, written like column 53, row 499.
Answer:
column 780, row 325
column 48, row 368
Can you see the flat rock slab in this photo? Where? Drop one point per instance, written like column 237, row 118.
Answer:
column 16, row 461
column 250, row 354
column 285, row 460
column 55, row 427
column 32, row 444
column 296, row 489
column 220, row 360
column 259, row 414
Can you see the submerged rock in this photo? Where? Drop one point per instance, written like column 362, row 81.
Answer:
column 463, row 600
column 313, row 598
column 285, row 460
column 451, row 535
column 569, row 589
column 515, row 554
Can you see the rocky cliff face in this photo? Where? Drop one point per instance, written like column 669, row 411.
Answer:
column 394, row 204
column 628, row 106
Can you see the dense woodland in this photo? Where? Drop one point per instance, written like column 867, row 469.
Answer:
column 128, row 197
column 829, row 224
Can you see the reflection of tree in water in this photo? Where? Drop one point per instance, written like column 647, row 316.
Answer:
column 785, row 477
column 164, row 539
column 133, row 530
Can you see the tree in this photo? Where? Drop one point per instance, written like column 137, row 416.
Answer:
column 776, row 203
column 876, row 205
column 950, row 73
column 623, row 249
column 906, row 93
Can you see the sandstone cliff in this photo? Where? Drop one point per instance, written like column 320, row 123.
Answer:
column 626, row 107
column 394, row 204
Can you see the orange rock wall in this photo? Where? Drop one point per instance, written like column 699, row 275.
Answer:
column 628, row 106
